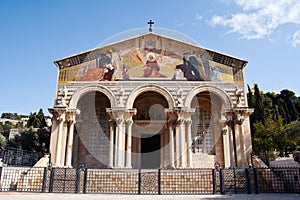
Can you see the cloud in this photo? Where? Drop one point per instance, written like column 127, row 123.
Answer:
column 179, row 24
column 259, row 18
column 296, row 38
column 198, row 17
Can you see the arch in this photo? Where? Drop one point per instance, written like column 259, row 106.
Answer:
column 150, row 88
column 92, row 88
column 220, row 93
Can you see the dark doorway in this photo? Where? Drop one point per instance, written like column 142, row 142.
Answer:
column 150, row 151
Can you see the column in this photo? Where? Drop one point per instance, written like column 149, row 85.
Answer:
column 189, row 143
column 177, row 147
column 232, row 147
column 70, row 143
column 61, row 121
column 111, row 145
column 171, row 143
column 243, row 161
column 226, row 146
column 117, row 141
column 129, row 123
column 182, row 162
column 120, row 150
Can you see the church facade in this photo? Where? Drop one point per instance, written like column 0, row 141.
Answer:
column 150, row 101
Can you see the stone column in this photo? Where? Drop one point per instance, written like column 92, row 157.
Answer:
column 189, row 142
column 181, row 133
column 71, row 122
column 119, row 145
column 172, row 118
column 226, row 145
column 70, row 144
column 129, row 123
column 171, row 143
column 58, row 154
column 111, row 145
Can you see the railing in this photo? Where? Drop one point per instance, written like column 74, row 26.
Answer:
column 18, row 157
column 160, row 181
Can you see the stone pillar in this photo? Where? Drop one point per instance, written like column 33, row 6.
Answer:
column 171, row 143
column 120, row 143
column 226, row 146
column 189, row 142
column 58, row 153
column 129, row 123
column 182, row 156
column 232, row 147
column 68, row 162
column 111, row 145
column 119, row 114
column 71, row 115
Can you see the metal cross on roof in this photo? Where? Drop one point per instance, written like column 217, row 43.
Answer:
column 150, row 23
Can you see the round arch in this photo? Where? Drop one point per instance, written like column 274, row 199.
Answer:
column 150, row 88
column 92, row 88
column 220, row 93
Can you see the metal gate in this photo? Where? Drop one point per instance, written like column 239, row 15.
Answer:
column 65, row 180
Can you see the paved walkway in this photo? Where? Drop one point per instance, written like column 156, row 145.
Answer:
column 51, row 196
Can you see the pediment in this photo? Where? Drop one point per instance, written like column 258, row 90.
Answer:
column 150, row 56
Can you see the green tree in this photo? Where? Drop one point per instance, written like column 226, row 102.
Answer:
column 3, row 141
column 293, row 132
column 269, row 136
column 27, row 140
column 37, row 120
column 5, row 128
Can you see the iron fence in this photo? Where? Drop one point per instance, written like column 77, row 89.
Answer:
column 157, row 181
column 18, row 157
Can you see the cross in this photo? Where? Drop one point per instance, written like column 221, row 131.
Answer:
column 150, row 23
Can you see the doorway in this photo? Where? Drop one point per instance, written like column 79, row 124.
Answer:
column 150, row 151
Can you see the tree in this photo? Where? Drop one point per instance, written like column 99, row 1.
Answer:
column 269, row 136
column 293, row 132
column 37, row 120
column 5, row 128
column 3, row 141
column 27, row 140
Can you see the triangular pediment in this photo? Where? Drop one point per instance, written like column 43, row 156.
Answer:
column 166, row 58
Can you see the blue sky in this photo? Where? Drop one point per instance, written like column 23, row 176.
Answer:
column 34, row 33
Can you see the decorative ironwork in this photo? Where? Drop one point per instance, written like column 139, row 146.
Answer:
column 278, row 180
column 149, row 182
column 112, row 181
column 235, row 180
column 63, row 180
column 19, row 157
column 21, row 179
column 187, row 181
column 161, row 181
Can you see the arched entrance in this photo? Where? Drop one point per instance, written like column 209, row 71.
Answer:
column 91, row 141
column 207, row 145
column 149, row 130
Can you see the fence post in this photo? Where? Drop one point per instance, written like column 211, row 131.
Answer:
column 85, row 179
column 140, row 182
column 1, row 172
column 222, row 182
column 51, row 180
column 214, row 181
column 77, row 180
column 159, row 181
column 234, row 176
column 44, row 179
column 248, row 180
column 255, row 181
